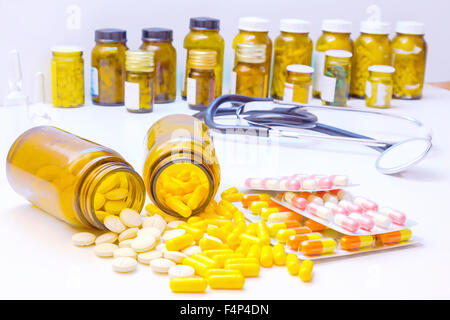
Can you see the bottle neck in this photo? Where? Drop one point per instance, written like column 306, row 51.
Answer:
column 94, row 175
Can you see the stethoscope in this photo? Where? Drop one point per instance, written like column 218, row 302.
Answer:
column 280, row 119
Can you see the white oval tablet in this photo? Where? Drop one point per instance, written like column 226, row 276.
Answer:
column 149, row 232
column 161, row 265
column 127, row 234
column 114, row 224
column 124, row 252
column 161, row 247
column 170, row 234
column 181, row 271
column 107, row 237
column 146, row 257
column 154, row 221
column 124, row 264
column 175, row 256
column 105, row 250
column 143, row 243
column 174, row 224
column 191, row 250
column 130, row 218
column 125, row 243
column 82, row 239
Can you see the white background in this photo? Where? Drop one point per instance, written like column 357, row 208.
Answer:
column 33, row 27
column 38, row 259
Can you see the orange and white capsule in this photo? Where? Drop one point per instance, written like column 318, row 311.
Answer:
column 295, row 241
column 355, row 242
column 318, row 246
column 396, row 236
column 275, row 227
column 284, row 234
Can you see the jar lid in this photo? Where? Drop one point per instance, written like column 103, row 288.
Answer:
column 111, row 34
column 157, row 34
column 374, row 27
column 67, row 49
column 337, row 25
column 294, row 25
column 204, row 23
column 253, row 24
column 139, row 60
column 251, row 52
column 381, row 68
column 202, row 59
column 410, row 27
column 300, row 68
column 338, row 54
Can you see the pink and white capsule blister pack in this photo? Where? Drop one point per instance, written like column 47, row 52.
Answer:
column 299, row 182
column 346, row 214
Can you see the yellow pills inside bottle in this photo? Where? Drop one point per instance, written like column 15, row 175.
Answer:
column 298, row 85
column 379, row 86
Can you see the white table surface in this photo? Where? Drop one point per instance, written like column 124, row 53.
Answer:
column 38, row 259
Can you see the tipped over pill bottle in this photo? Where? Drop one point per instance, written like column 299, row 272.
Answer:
column 181, row 171
column 73, row 179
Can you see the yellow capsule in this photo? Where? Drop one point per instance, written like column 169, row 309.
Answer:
column 266, row 258
column 198, row 195
column 204, row 259
column 178, row 206
column 179, row 243
column 208, row 243
column 114, row 207
column 188, row 285
column 235, row 197
column 265, row 212
column 184, row 175
column 248, row 270
column 240, row 260
column 109, row 183
column 228, row 205
column 202, row 225
column 212, row 253
column 292, row 264
column 223, row 211
column 226, row 281
column 186, row 197
column 229, row 191
column 194, row 219
column 251, row 229
column 242, row 249
column 99, row 201
column 199, row 267
column 197, row 234
column 262, row 231
column 117, row 194
column 256, row 206
column 152, row 209
column 240, row 227
column 233, row 239
column 238, row 217
column 217, row 232
column 248, row 240
column 254, row 252
column 306, row 270
column 214, row 272
column 220, row 222
column 279, row 255
column 221, row 258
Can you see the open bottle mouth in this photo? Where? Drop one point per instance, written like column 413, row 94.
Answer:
column 106, row 190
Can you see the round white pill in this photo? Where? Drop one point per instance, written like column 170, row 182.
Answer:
column 181, row 271
column 146, row 257
column 128, row 234
column 107, row 237
column 170, row 234
column 154, row 221
column 124, row 264
column 82, row 239
column 191, row 250
column 175, row 256
column 105, row 250
column 124, row 252
column 174, row 224
column 125, row 243
column 143, row 243
column 149, row 232
column 130, row 218
column 114, row 224
column 161, row 265
column 161, row 247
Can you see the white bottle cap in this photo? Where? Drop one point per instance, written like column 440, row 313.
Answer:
column 66, row 49
column 299, row 68
column 338, row 54
column 294, row 25
column 254, row 24
column 374, row 27
column 336, row 25
column 381, row 68
column 410, row 27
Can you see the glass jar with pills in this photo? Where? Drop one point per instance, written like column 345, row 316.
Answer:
column 335, row 36
column 251, row 77
column 204, row 35
column 298, row 86
column 254, row 30
column 336, row 78
column 67, row 76
column 159, row 41
column 201, row 82
column 181, row 171
column 409, row 50
column 371, row 48
column 292, row 46
column 139, row 81
column 73, row 179
column 379, row 86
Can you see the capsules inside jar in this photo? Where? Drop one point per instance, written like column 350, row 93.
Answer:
column 182, row 187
